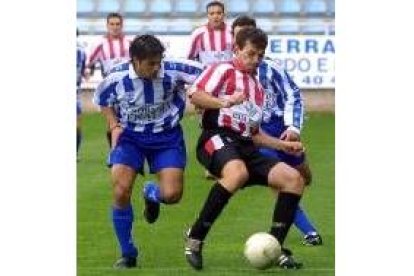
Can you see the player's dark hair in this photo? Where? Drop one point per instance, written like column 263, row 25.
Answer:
column 114, row 14
column 242, row 21
column 146, row 46
column 256, row 36
column 215, row 3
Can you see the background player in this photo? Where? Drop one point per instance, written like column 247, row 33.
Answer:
column 112, row 49
column 212, row 42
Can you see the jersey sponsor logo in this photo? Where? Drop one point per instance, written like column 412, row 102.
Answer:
column 240, row 117
column 147, row 113
column 246, row 112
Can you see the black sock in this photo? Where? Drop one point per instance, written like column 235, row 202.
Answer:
column 215, row 203
column 283, row 215
column 109, row 138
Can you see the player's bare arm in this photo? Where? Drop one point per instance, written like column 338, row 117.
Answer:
column 290, row 135
column 114, row 126
column 264, row 140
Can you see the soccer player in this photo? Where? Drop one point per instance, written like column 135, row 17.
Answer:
column 212, row 42
column 112, row 49
column 232, row 99
column 80, row 73
column 282, row 118
column 148, row 91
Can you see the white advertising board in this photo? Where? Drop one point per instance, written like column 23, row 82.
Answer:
column 310, row 60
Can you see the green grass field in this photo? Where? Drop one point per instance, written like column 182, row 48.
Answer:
column 161, row 244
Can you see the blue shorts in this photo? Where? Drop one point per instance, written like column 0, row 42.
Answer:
column 275, row 128
column 161, row 150
column 291, row 160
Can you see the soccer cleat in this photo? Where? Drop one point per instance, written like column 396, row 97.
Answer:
column 193, row 249
column 312, row 239
column 286, row 260
column 125, row 262
column 152, row 206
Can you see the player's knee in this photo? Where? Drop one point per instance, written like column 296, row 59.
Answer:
column 235, row 182
column 237, row 174
column 294, row 181
column 172, row 197
column 122, row 193
column 286, row 179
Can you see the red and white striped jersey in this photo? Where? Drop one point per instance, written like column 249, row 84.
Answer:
column 221, row 80
column 209, row 45
column 109, row 52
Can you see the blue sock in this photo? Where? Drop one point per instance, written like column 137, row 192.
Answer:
column 122, row 220
column 78, row 140
column 302, row 222
column 152, row 192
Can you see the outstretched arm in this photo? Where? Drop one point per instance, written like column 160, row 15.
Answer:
column 264, row 140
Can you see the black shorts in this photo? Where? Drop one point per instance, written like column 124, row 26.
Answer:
column 217, row 147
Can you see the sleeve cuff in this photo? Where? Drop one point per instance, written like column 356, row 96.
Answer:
column 294, row 129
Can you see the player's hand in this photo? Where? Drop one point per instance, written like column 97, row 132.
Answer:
column 290, row 135
column 115, row 133
column 292, row 147
column 237, row 98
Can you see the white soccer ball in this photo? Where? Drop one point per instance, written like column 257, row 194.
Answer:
column 262, row 250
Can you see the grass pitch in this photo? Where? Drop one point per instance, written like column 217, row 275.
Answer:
column 249, row 211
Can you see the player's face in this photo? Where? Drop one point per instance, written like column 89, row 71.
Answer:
column 215, row 15
column 114, row 26
column 250, row 56
column 149, row 67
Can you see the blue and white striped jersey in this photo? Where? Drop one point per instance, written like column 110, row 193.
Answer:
column 80, row 64
column 282, row 97
column 148, row 105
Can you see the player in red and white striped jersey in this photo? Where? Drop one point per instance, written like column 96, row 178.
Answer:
column 212, row 42
column 232, row 98
column 225, row 81
column 113, row 48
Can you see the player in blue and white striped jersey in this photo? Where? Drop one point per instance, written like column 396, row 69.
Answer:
column 283, row 118
column 148, row 91
column 283, row 113
column 80, row 73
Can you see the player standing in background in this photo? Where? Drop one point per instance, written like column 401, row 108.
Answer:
column 80, row 73
column 112, row 49
column 232, row 100
column 212, row 42
column 283, row 118
column 148, row 91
